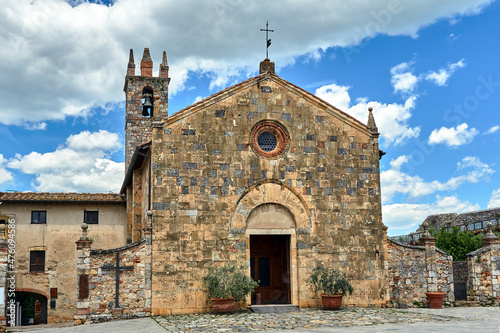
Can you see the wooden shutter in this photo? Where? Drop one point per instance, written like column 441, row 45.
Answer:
column 37, row 261
column 83, row 286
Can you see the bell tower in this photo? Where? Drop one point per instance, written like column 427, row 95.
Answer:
column 146, row 101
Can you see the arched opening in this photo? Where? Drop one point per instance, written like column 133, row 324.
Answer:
column 270, row 228
column 147, row 102
column 31, row 308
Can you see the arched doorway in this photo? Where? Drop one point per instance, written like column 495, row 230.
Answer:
column 31, row 308
column 270, row 227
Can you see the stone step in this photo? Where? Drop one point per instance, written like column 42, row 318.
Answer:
column 274, row 308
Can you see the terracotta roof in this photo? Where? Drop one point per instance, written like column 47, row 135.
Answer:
column 60, row 197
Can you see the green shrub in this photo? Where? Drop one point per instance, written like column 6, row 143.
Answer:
column 228, row 281
column 458, row 243
column 329, row 281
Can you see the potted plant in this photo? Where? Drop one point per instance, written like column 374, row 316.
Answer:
column 331, row 284
column 226, row 285
column 435, row 299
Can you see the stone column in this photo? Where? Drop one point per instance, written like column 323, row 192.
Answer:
column 4, row 252
column 83, row 246
column 148, row 283
column 493, row 261
column 490, row 238
column 38, row 312
column 430, row 259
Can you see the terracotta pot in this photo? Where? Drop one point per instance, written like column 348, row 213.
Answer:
column 222, row 305
column 331, row 302
column 435, row 299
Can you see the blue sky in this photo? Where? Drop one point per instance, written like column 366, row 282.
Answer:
column 430, row 71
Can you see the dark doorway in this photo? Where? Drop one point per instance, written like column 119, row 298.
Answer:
column 460, row 277
column 270, row 264
column 33, row 308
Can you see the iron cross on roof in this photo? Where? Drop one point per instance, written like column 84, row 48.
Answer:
column 117, row 278
column 268, row 41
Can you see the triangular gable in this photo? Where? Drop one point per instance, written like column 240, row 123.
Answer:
column 307, row 96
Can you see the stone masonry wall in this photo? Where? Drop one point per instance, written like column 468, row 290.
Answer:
column 439, row 221
column 134, row 297
column 409, row 274
column 206, row 174
column 138, row 128
column 484, row 275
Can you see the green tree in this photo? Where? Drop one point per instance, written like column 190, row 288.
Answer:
column 458, row 243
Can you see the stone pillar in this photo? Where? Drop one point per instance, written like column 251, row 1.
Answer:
column 83, row 246
column 148, row 282
column 490, row 238
column 4, row 252
column 386, row 266
column 38, row 312
column 430, row 259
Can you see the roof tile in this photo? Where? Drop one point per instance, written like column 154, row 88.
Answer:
column 60, row 197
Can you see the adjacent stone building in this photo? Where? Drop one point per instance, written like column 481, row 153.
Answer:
column 262, row 173
column 46, row 226
column 467, row 221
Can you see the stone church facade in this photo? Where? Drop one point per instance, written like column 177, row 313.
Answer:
column 262, row 173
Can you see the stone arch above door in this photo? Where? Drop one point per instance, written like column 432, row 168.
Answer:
column 270, row 216
column 271, row 192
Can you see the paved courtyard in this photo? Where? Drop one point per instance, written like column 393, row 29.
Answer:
column 484, row 319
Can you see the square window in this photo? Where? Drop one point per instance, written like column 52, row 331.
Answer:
column 91, row 217
column 38, row 217
column 37, row 261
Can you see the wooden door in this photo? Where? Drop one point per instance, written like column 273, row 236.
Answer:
column 270, row 264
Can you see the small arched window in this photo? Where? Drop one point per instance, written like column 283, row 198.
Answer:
column 147, row 102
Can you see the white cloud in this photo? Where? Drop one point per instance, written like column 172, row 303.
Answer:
column 454, row 136
column 71, row 59
column 494, row 199
column 337, row 96
column 441, row 77
column 35, row 126
column 101, row 141
column 492, row 130
column 402, row 78
column 402, row 218
column 392, row 119
column 5, row 175
column 396, row 181
column 82, row 164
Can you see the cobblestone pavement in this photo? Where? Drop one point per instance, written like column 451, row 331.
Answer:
column 359, row 320
column 303, row 320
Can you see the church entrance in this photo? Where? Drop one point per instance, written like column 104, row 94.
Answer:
column 270, row 264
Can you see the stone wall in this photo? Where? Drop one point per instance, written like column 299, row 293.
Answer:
column 414, row 270
column 484, row 274
column 134, row 283
column 207, row 179
column 439, row 221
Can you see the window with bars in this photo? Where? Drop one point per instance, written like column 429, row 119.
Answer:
column 267, row 141
column 38, row 217
column 91, row 217
column 37, row 261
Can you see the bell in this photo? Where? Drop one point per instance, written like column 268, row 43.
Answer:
column 147, row 106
